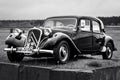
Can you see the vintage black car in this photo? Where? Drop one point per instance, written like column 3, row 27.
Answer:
column 61, row 37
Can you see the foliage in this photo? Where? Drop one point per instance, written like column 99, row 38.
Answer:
column 20, row 23
column 114, row 20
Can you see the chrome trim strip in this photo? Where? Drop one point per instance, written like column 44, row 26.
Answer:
column 34, row 42
column 29, row 52
column 10, row 49
column 34, row 37
column 39, row 38
column 46, row 51
column 25, row 52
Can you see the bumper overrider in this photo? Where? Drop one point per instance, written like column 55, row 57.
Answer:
column 27, row 51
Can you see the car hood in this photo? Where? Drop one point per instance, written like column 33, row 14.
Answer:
column 69, row 32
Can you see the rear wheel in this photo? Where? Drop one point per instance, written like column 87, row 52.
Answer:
column 13, row 56
column 62, row 52
column 109, row 51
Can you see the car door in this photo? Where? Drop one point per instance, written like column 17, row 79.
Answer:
column 83, row 38
column 97, row 35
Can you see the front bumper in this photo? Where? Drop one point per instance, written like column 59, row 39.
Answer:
column 28, row 52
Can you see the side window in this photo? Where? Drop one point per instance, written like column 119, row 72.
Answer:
column 96, row 27
column 85, row 25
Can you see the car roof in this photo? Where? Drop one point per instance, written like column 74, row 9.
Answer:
column 72, row 16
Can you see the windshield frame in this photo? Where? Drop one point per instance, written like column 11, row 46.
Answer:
column 59, row 19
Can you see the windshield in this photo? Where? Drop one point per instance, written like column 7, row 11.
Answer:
column 61, row 23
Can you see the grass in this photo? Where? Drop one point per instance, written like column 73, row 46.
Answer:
column 82, row 62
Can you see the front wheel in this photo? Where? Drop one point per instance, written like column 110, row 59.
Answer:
column 14, row 57
column 62, row 52
column 109, row 51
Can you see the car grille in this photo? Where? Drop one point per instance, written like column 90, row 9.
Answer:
column 34, row 38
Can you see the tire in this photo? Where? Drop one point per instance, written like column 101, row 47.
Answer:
column 13, row 56
column 62, row 52
column 109, row 52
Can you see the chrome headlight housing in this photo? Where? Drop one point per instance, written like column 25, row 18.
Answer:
column 47, row 32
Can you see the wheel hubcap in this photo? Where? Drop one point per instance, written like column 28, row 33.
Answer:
column 63, row 52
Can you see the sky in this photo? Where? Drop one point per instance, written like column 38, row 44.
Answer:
column 41, row 9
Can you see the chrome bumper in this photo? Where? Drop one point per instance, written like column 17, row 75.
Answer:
column 23, row 50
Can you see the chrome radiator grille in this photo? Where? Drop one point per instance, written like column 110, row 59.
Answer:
column 34, row 38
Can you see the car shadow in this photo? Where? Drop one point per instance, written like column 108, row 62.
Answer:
column 39, row 61
column 45, row 62
column 116, row 60
column 85, row 57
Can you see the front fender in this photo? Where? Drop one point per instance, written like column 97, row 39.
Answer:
column 13, row 41
column 56, row 38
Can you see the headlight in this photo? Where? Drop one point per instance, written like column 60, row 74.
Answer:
column 47, row 32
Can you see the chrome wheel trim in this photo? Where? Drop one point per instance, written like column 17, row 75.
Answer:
column 63, row 52
column 109, row 52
